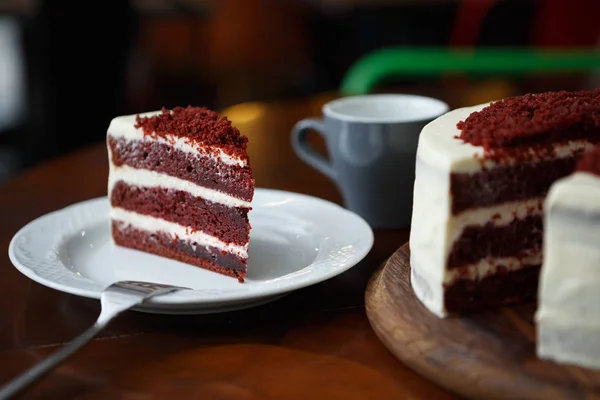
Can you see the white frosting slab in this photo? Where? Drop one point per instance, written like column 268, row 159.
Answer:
column 151, row 224
column 148, row 179
column 123, row 127
column 568, row 318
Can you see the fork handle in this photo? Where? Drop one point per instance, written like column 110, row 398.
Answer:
column 40, row 370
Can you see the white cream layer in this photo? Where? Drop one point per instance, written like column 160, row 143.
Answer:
column 499, row 215
column 149, row 179
column 123, row 127
column 439, row 147
column 152, row 224
column 489, row 266
column 568, row 315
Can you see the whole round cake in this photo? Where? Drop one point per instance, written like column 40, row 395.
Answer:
column 482, row 175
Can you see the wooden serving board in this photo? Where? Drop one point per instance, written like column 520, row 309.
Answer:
column 489, row 355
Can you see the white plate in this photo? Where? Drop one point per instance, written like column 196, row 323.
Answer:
column 295, row 241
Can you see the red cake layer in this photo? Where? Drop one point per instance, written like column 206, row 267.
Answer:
column 198, row 124
column 230, row 179
column 590, row 162
column 533, row 119
column 229, row 224
column 521, row 238
column 502, row 288
column 162, row 244
column 504, row 184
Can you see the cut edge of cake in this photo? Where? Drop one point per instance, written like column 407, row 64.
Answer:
column 462, row 189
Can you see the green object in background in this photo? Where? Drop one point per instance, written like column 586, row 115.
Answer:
column 387, row 63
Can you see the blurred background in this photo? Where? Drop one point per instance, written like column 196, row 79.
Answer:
column 67, row 67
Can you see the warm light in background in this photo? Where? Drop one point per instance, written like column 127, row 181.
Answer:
column 244, row 113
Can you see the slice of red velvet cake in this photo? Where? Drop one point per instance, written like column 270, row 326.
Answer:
column 180, row 186
column 482, row 175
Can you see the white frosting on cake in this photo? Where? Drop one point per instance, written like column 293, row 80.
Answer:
column 439, row 147
column 124, row 127
column 434, row 228
column 149, row 179
column 568, row 317
column 176, row 231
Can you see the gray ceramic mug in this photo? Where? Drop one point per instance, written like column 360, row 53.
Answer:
column 372, row 143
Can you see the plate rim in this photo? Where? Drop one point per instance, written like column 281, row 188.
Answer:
column 173, row 300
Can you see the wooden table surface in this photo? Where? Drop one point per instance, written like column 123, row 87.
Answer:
column 313, row 343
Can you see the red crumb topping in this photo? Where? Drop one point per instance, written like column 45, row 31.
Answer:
column 534, row 120
column 198, row 124
column 590, row 162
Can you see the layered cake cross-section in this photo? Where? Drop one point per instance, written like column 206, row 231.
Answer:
column 482, row 174
column 180, row 186
column 568, row 315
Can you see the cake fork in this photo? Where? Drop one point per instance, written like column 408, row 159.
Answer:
column 116, row 298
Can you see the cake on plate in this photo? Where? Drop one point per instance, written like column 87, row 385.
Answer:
column 568, row 315
column 180, row 186
column 482, row 174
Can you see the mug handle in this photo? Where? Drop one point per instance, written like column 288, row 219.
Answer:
column 304, row 150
